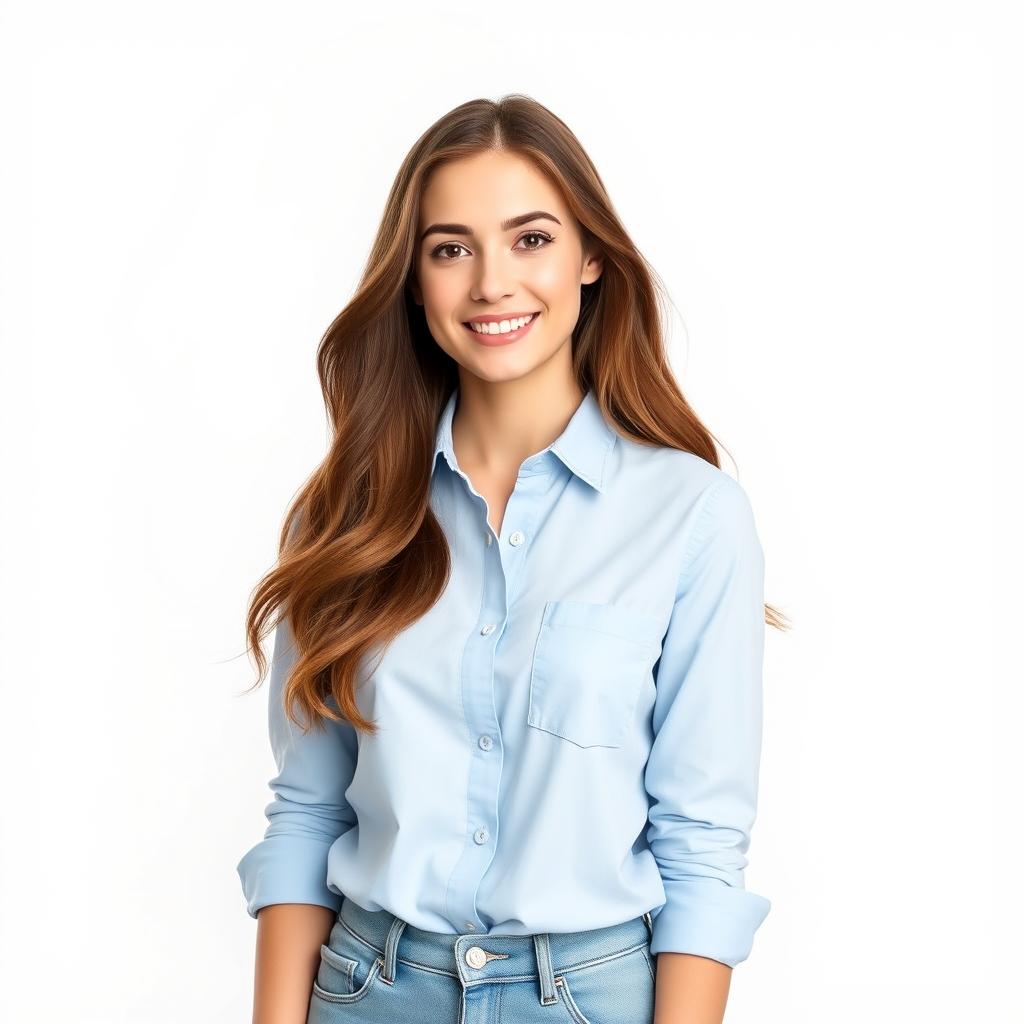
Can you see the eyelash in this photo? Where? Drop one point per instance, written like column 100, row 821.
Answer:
column 458, row 245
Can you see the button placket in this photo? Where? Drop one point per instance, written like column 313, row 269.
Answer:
column 524, row 509
column 477, row 686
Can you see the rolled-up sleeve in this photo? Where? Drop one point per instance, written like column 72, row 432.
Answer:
column 702, row 773
column 309, row 810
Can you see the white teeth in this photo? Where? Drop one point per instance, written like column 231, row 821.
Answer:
column 501, row 326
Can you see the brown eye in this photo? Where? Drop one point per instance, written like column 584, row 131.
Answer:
column 447, row 245
column 546, row 239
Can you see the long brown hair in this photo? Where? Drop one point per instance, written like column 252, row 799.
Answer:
column 361, row 554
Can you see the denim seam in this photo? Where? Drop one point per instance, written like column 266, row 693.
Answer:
column 650, row 966
column 570, row 1003
column 584, row 964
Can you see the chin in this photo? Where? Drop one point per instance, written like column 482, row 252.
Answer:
column 498, row 374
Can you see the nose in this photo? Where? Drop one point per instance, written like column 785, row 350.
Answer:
column 495, row 277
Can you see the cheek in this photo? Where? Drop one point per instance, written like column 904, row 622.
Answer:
column 442, row 293
column 555, row 282
column 558, row 288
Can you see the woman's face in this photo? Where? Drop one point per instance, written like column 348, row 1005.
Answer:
column 470, row 265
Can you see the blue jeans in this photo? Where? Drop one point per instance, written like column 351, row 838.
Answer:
column 377, row 968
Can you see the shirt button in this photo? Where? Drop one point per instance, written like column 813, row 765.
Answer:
column 488, row 629
column 475, row 956
column 485, row 742
column 470, row 927
column 481, row 836
column 517, row 538
column 488, row 538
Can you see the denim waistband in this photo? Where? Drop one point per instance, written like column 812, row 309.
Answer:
column 478, row 959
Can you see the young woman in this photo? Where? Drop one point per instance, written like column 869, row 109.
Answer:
column 515, row 694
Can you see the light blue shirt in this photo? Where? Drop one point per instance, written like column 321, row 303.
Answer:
column 570, row 737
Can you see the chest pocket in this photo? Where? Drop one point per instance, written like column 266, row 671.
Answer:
column 589, row 663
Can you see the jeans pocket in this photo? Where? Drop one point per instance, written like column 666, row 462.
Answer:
column 348, row 970
column 616, row 991
column 336, row 975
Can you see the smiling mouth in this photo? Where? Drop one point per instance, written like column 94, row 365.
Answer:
column 494, row 339
column 493, row 328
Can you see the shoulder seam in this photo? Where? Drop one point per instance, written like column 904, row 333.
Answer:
column 700, row 527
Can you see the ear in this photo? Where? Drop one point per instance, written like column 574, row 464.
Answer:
column 592, row 268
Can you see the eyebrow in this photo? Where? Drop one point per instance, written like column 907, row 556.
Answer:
column 506, row 225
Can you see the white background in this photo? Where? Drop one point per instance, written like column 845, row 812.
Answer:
column 830, row 192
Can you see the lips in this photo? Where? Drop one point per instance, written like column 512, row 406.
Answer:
column 491, row 340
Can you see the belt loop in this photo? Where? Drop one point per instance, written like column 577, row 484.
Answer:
column 391, row 951
column 650, row 925
column 542, row 947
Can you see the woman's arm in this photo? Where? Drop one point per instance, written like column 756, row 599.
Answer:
column 702, row 771
column 690, row 989
column 288, row 940
column 284, row 876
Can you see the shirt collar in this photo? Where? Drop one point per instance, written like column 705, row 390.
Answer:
column 584, row 445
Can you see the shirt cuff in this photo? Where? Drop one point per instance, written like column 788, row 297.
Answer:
column 708, row 918
column 286, row 869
